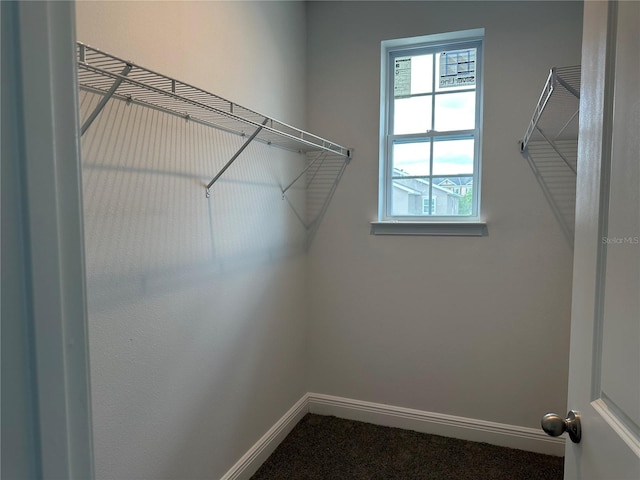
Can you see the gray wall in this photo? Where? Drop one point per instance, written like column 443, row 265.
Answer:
column 490, row 339
column 205, row 316
column 197, row 308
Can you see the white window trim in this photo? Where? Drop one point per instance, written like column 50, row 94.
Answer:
column 455, row 229
column 437, row 225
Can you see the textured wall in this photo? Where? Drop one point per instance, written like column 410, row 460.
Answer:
column 476, row 327
column 197, row 307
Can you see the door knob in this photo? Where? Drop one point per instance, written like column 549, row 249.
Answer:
column 554, row 425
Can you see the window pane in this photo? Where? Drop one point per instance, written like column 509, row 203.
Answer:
column 411, row 159
column 455, row 111
column 408, row 196
column 421, row 74
column 413, row 75
column 412, row 115
column 453, row 157
column 456, row 69
column 454, row 195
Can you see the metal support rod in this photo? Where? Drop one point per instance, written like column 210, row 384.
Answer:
column 568, row 122
column 295, row 212
column 104, row 100
column 553, row 145
column 310, row 180
column 540, row 106
column 237, row 154
column 320, row 154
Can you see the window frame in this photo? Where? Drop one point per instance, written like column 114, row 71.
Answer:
column 430, row 44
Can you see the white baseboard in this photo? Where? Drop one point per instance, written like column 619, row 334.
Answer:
column 501, row 434
column 523, row 438
column 251, row 461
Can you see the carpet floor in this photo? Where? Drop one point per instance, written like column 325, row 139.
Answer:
column 328, row 448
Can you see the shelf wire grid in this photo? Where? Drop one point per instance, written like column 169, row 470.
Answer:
column 99, row 71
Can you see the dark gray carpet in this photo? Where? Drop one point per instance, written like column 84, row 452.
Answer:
column 328, row 448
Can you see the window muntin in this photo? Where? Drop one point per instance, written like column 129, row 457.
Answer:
column 431, row 163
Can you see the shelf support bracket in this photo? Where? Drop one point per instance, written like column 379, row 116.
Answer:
column 105, row 99
column 557, row 150
column 320, row 155
column 313, row 227
column 236, row 155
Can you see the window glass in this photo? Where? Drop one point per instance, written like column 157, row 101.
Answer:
column 411, row 159
column 455, row 111
column 460, row 194
column 456, row 69
column 412, row 115
column 413, row 75
column 421, row 74
column 453, row 157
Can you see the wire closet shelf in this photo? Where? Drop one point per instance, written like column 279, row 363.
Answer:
column 555, row 116
column 114, row 77
column 550, row 144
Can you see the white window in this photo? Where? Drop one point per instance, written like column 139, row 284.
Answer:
column 431, row 101
column 426, row 209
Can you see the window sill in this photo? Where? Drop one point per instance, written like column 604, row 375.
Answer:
column 465, row 229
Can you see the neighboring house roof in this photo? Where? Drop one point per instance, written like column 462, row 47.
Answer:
column 459, row 181
column 417, row 186
column 447, row 182
column 406, row 188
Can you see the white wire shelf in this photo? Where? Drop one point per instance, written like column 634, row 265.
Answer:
column 550, row 143
column 555, row 116
column 112, row 76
